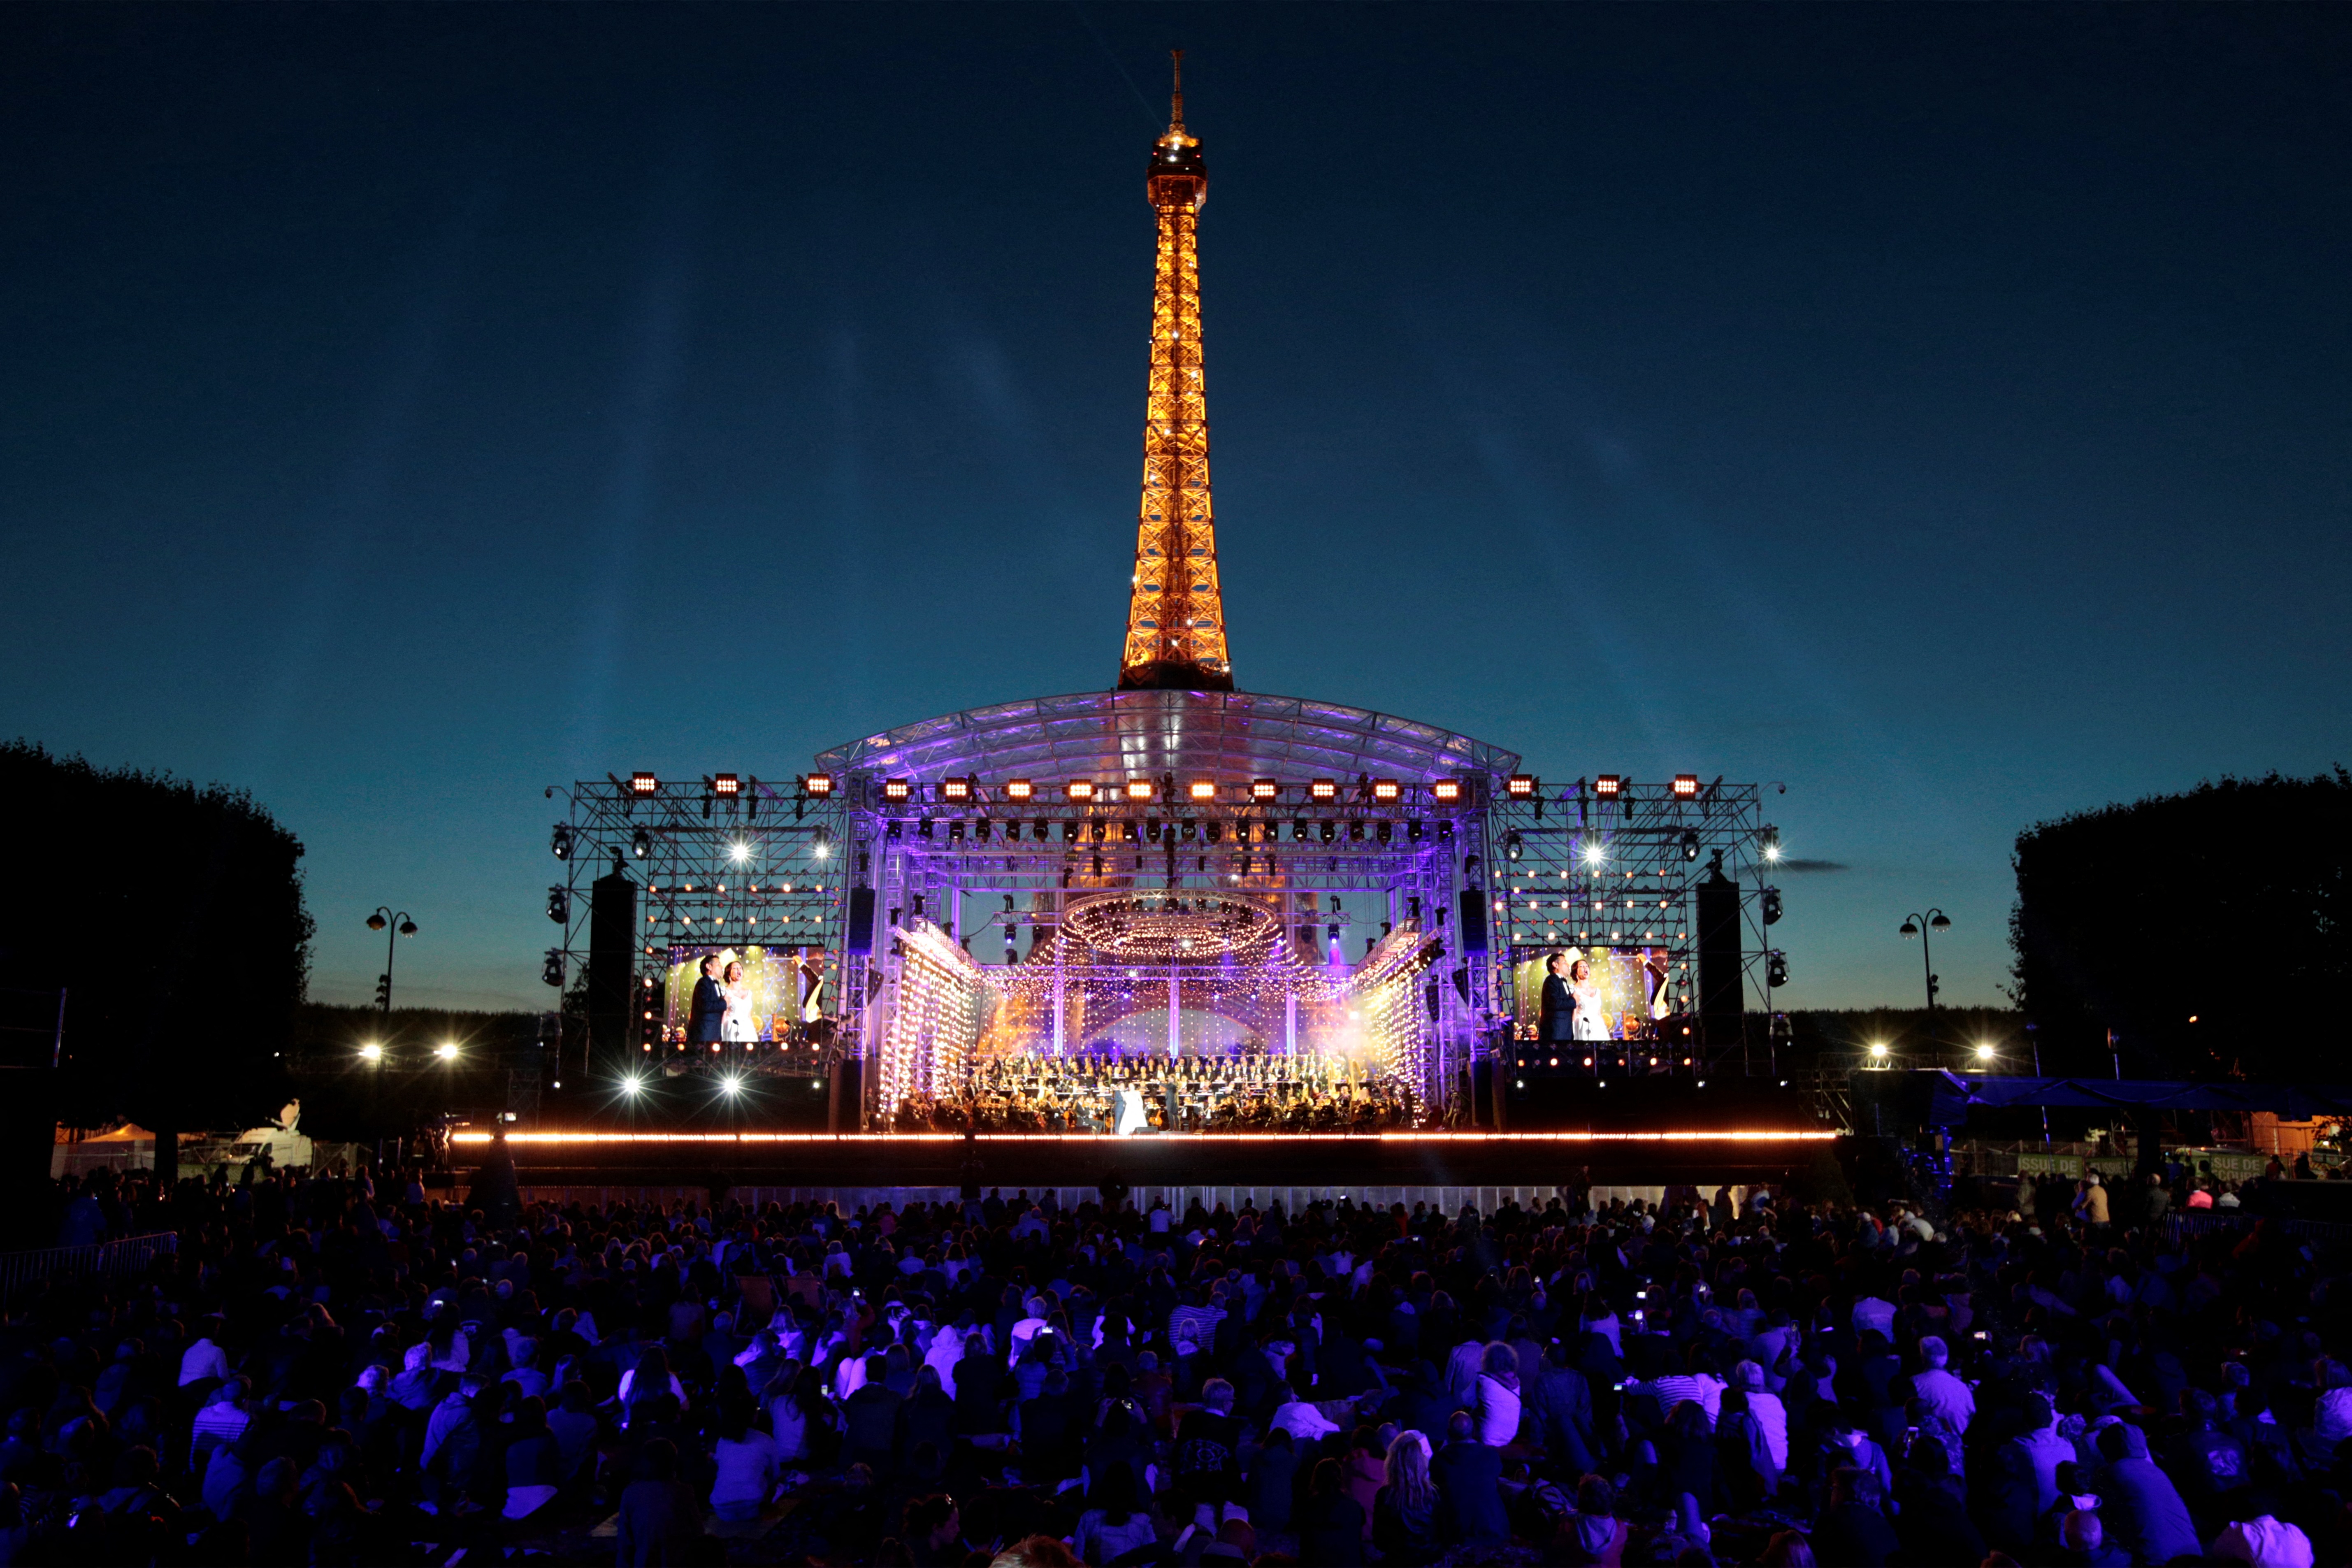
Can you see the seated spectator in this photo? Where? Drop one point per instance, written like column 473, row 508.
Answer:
column 1470, row 1498
column 1404, row 1513
column 1852, row 1533
column 1330, row 1525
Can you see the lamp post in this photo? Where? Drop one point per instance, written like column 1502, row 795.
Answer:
column 1920, row 926
column 394, row 926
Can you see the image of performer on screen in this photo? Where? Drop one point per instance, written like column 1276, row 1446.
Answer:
column 710, row 1006
column 738, row 1027
column 1592, row 1017
column 1553, row 1021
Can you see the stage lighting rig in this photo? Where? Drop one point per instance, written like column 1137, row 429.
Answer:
column 1264, row 789
column 818, row 786
column 1079, row 790
column 1323, row 789
column 1520, row 787
column 1446, row 791
column 1609, row 786
column 1019, row 789
column 1328, row 830
column 898, row 789
column 1387, row 791
column 1775, row 970
column 1685, row 786
column 560, row 843
column 955, row 789
column 1512, row 846
column 559, row 904
column 1201, row 789
column 551, row 971
column 643, row 784
column 1690, row 842
column 1771, row 906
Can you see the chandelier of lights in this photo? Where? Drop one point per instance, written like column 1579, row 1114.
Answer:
column 1131, row 928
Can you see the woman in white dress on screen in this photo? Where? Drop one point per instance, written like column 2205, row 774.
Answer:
column 737, row 1027
column 1590, row 1023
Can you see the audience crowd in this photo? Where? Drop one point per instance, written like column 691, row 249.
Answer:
column 330, row 1371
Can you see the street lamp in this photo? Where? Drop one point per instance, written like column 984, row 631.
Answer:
column 1921, row 926
column 394, row 926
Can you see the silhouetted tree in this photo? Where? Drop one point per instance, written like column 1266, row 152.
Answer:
column 2209, row 930
column 172, row 917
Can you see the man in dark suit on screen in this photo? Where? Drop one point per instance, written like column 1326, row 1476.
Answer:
column 1557, row 1021
column 709, row 1009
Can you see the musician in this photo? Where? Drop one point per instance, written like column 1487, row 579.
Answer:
column 1556, row 1019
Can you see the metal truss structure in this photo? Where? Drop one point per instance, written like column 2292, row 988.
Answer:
column 1609, row 864
column 720, row 863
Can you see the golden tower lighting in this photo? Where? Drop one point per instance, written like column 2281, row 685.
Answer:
column 1176, row 616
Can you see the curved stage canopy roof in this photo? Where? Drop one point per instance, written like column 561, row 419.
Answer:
column 1118, row 734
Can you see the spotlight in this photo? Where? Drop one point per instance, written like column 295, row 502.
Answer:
column 980, row 830
column 631, row 1084
column 1323, row 789
column 898, row 789
column 1328, row 831
column 820, row 785
column 1080, row 789
column 641, row 844
column 1445, row 832
column 1019, row 789
column 955, row 832
column 822, row 842
column 1446, row 790
column 1776, row 971
column 1685, row 786
column 732, row 1084
column 1185, row 830
column 643, row 784
column 955, row 789
column 370, row 1052
column 1040, row 830
column 1878, row 1051
column 1690, row 843
column 1264, row 789
column 1595, row 854
column 725, row 784
column 1511, row 845
column 1520, row 787
column 1984, row 1052
column 561, row 842
column 1771, row 906
column 446, row 1051
column 1213, row 832
column 551, row 971
column 738, row 852
column 1385, row 830
column 1355, row 832
column 1298, row 830
column 559, row 905
column 1201, row 789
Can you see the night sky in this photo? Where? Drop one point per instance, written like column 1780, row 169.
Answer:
column 1942, row 412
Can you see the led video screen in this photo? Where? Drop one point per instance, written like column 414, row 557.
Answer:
column 1633, row 986
column 767, row 990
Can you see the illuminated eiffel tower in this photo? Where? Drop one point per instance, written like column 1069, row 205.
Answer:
column 1176, row 616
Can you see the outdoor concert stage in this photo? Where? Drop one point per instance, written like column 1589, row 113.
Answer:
column 1173, row 909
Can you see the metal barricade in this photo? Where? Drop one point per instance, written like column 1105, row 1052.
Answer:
column 117, row 1259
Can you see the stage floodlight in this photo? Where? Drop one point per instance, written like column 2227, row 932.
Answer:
column 897, row 789
column 1328, row 831
column 1387, row 789
column 732, row 1084
column 1690, row 842
column 551, row 971
column 1771, row 906
column 1984, row 1052
column 1594, row 853
column 1356, row 831
column 738, row 852
column 1878, row 1051
column 1775, row 970
column 1323, row 789
column 1685, row 786
column 559, row 842
column 1520, row 787
column 955, row 789
column 955, row 831
column 1139, row 789
column 446, row 1051
column 1446, row 790
column 1444, row 832
column 1607, row 786
column 1264, row 789
column 1080, row 789
column 820, row 785
column 1019, row 789
column 1384, row 831
column 821, row 842
column 725, row 784
column 370, row 1052
column 641, row 844
column 643, row 784
column 1412, row 830
column 1211, row 832
column 1511, row 845
column 631, row 1084
column 1201, row 789
column 559, row 905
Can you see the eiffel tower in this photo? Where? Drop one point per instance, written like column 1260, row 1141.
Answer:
column 1176, row 614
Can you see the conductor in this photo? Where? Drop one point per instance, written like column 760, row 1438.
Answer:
column 709, row 1012
column 1556, row 1020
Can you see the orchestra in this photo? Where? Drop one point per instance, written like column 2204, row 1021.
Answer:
column 1243, row 1093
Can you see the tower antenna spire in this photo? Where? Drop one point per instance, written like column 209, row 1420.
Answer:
column 1176, row 616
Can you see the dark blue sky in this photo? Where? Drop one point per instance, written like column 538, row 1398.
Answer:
column 1942, row 411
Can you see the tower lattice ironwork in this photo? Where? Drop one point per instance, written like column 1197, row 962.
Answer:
column 1176, row 616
